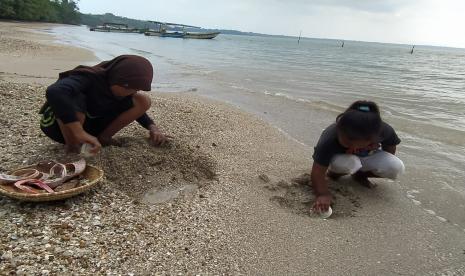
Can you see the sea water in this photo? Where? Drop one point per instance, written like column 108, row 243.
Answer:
column 301, row 87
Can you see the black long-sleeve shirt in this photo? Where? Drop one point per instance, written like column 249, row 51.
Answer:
column 89, row 95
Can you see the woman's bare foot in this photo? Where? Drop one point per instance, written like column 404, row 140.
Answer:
column 362, row 179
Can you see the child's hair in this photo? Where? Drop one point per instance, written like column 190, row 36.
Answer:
column 361, row 121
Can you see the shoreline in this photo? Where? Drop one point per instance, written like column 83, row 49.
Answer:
column 30, row 56
column 232, row 223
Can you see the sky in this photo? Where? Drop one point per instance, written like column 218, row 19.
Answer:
column 430, row 22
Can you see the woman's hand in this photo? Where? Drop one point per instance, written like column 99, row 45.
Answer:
column 322, row 203
column 85, row 138
column 75, row 136
column 157, row 138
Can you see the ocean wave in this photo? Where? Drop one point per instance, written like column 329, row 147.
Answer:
column 139, row 51
column 320, row 104
column 197, row 72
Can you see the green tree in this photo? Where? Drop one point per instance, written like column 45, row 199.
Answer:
column 7, row 9
column 48, row 12
column 68, row 12
column 27, row 9
column 63, row 11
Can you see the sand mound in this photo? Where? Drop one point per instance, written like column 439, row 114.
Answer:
column 136, row 168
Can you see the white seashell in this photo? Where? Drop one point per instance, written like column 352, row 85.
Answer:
column 327, row 214
column 86, row 150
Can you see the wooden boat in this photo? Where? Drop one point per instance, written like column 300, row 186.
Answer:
column 199, row 35
column 115, row 28
column 164, row 34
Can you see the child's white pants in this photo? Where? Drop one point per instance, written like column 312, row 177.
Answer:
column 381, row 163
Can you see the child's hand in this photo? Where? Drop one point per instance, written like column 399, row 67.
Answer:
column 322, row 203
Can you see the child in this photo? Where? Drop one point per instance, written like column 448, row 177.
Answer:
column 91, row 104
column 359, row 144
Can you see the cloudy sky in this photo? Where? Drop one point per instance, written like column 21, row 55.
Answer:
column 433, row 22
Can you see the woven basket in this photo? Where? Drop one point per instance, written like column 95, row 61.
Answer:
column 92, row 174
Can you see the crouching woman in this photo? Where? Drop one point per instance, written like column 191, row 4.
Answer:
column 90, row 104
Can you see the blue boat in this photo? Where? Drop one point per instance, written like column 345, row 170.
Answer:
column 163, row 32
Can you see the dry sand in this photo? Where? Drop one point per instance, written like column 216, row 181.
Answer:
column 32, row 57
column 237, row 207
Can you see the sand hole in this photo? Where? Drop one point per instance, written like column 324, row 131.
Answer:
column 297, row 197
column 157, row 195
column 156, row 174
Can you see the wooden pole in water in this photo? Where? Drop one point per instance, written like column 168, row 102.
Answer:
column 411, row 51
column 300, row 35
column 342, row 46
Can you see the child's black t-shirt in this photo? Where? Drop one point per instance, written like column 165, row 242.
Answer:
column 328, row 144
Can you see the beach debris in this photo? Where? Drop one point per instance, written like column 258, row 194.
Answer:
column 8, row 255
column 283, row 184
column 303, row 179
column 271, row 187
column 264, row 178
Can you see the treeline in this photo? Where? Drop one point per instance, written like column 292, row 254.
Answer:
column 59, row 11
column 98, row 19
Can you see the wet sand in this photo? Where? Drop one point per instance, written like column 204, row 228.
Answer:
column 229, row 220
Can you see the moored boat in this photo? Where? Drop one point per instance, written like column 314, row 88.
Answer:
column 199, row 35
column 178, row 31
column 165, row 34
column 114, row 27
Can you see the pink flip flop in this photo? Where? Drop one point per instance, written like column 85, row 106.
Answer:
column 19, row 175
column 61, row 173
column 47, row 176
column 36, row 182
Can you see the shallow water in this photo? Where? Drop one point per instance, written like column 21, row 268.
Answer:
column 301, row 88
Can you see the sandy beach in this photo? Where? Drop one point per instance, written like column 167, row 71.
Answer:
column 228, row 196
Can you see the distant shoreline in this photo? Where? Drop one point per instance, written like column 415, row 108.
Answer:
column 96, row 19
column 120, row 19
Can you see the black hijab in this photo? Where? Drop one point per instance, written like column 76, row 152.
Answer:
column 129, row 71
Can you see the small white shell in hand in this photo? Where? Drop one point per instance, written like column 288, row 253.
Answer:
column 327, row 214
column 86, row 150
